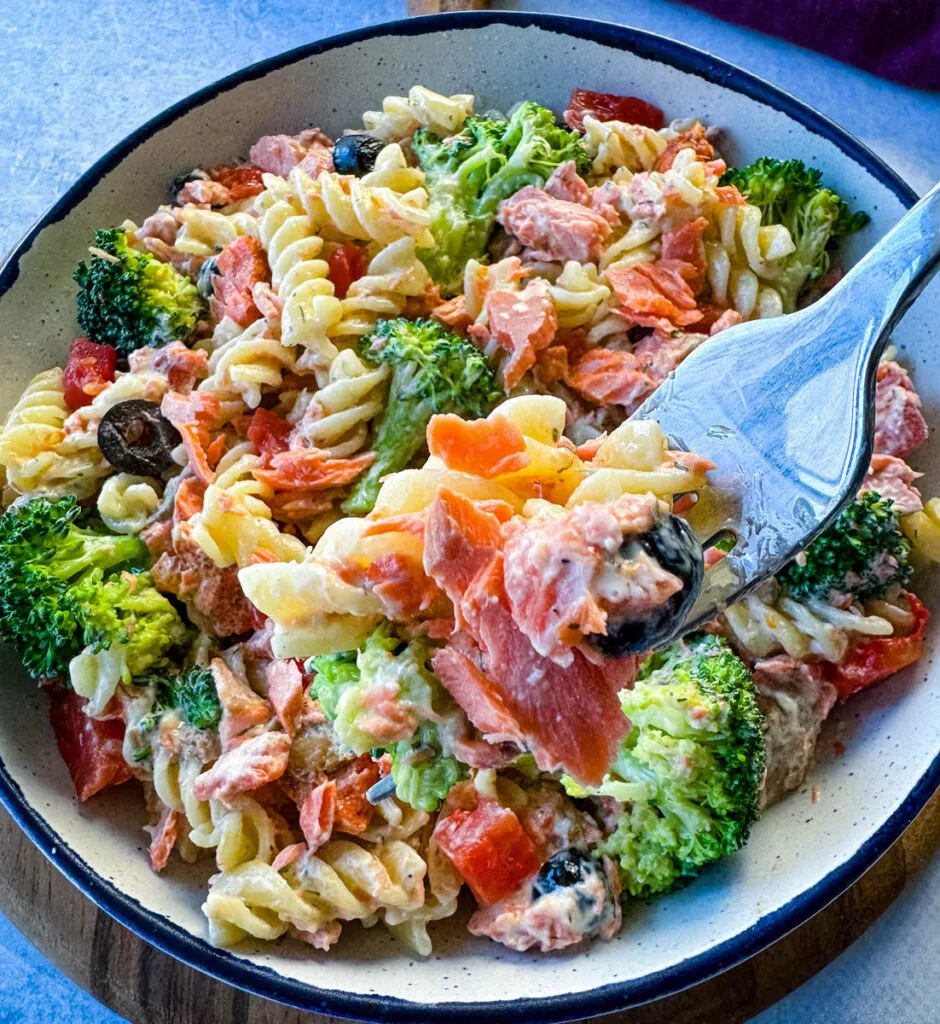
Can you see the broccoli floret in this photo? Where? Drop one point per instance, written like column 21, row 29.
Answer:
column 130, row 299
column 191, row 692
column 789, row 193
column 423, row 774
column 690, row 770
column 433, row 370
column 66, row 584
column 468, row 175
column 863, row 553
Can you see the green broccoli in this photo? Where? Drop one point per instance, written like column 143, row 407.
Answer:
column 467, row 177
column 862, row 553
column 67, row 584
column 130, row 299
column 789, row 193
column 433, row 370
column 690, row 770
column 423, row 774
column 191, row 692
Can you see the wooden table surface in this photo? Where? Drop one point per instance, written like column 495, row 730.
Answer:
column 146, row 986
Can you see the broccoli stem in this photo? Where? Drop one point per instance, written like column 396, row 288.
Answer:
column 399, row 436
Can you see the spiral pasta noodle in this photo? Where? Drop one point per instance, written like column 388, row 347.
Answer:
column 126, row 502
column 767, row 622
column 394, row 276
column 740, row 262
column 41, row 452
column 578, row 294
column 206, row 233
column 248, row 363
column 386, row 204
column 336, row 418
column 616, row 146
column 401, row 116
column 310, row 309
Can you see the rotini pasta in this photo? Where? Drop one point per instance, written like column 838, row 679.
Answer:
column 401, row 116
column 246, row 362
column 767, row 622
column 126, row 502
column 42, row 452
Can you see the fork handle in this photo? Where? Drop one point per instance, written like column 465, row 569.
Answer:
column 882, row 285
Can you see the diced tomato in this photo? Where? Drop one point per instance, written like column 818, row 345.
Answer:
column 347, row 264
column 872, row 660
column 608, row 106
column 91, row 749
column 90, row 368
column 242, row 182
column 490, row 849
column 268, row 432
column 484, row 447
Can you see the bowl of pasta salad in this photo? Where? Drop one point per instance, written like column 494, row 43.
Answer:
column 335, row 575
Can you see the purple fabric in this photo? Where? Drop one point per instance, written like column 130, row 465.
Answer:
column 897, row 39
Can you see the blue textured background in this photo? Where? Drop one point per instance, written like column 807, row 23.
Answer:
column 78, row 75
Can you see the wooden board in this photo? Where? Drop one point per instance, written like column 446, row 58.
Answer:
column 146, row 986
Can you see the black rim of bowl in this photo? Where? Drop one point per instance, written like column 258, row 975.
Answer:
column 227, row 967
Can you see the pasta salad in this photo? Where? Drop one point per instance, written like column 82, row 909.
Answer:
column 334, row 532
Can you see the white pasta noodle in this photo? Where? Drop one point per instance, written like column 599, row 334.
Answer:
column 233, row 474
column 248, row 363
column 310, row 309
column 767, row 622
column 126, row 502
column 233, row 529
column 206, row 233
column 393, row 276
column 386, row 204
column 336, row 417
column 578, row 294
column 401, row 116
column 40, row 449
column 741, row 261
column 614, row 146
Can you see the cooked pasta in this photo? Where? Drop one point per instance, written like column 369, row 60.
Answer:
column 401, row 116
column 247, row 362
column 126, row 502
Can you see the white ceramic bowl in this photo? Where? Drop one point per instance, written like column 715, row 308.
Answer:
column 800, row 856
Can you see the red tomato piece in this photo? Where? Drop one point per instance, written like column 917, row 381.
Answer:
column 91, row 749
column 490, row 849
column 347, row 264
column 242, row 182
column 90, row 368
column 607, row 106
column 872, row 660
column 268, row 432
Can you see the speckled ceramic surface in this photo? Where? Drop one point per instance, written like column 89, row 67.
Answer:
column 801, row 855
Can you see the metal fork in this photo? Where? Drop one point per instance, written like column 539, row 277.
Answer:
column 785, row 409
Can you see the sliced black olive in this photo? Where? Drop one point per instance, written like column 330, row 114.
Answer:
column 176, row 185
column 205, row 284
column 135, row 437
column 567, row 868
column 675, row 547
column 355, row 154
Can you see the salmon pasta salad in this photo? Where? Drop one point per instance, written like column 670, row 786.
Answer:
column 335, row 533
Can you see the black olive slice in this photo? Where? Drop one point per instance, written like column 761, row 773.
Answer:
column 205, row 283
column 135, row 437
column 675, row 547
column 356, row 154
column 567, row 868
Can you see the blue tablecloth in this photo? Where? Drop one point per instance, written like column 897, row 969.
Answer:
column 78, row 76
